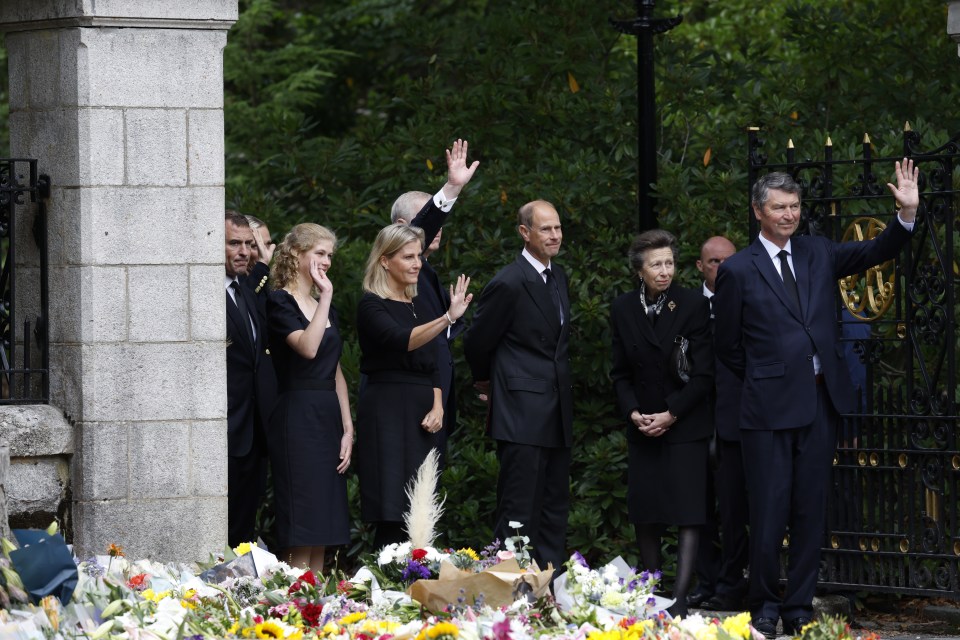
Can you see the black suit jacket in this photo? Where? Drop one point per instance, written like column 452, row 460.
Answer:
column 641, row 362
column 250, row 397
column 769, row 343
column 516, row 341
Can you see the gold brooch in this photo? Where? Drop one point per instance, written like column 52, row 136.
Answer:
column 671, row 305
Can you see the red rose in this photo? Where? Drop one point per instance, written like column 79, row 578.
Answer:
column 311, row 613
column 344, row 587
column 418, row 554
column 294, row 587
column 308, row 577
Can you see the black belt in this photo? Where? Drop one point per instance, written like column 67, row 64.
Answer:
column 311, row 385
column 402, row 377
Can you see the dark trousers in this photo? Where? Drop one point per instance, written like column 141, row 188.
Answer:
column 534, row 489
column 246, row 482
column 734, row 518
column 788, row 473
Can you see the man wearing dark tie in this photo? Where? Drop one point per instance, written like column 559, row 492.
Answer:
column 777, row 330
column 430, row 213
column 729, row 584
column 249, row 404
column 517, row 350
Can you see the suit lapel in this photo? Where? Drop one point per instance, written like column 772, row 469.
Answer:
column 239, row 329
column 772, row 279
column 640, row 323
column 533, row 282
column 801, row 267
column 664, row 327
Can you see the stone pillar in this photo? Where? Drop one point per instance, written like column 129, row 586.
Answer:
column 953, row 22
column 122, row 102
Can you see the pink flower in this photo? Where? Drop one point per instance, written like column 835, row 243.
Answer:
column 505, row 555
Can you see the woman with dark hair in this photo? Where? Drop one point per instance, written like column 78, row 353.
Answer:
column 669, row 420
column 401, row 407
column 311, row 431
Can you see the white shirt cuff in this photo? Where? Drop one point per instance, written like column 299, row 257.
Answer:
column 443, row 202
column 906, row 225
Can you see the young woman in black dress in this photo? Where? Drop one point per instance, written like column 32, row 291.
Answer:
column 401, row 406
column 311, row 431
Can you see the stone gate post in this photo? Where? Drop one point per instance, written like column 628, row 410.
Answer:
column 122, row 102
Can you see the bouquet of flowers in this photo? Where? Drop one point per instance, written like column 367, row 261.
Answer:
column 613, row 591
column 495, row 577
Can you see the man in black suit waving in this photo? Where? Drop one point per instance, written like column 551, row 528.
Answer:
column 248, row 404
column 777, row 330
column 517, row 351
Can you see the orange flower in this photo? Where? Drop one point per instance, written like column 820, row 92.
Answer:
column 115, row 551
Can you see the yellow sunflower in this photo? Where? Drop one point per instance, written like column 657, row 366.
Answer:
column 268, row 629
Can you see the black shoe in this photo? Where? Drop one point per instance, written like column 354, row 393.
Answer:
column 766, row 626
column 795, row 627
column 677, row 610
column 722, row 603
column 697, row 598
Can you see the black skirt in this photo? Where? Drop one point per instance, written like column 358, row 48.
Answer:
column 391, row 444
column 667, row 482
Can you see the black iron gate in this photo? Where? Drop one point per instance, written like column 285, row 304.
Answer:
column 894, row 514
column 24, row 359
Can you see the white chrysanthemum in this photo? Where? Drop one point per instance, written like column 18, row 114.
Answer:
column 613, row 599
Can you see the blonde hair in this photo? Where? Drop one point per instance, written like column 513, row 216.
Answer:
column 389, row 241
column 286, row 260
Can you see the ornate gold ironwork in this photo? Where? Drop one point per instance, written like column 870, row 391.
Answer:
column 868, row 295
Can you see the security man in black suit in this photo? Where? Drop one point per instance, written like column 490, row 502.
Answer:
column 730, row 585
column 517, row 348
column 249, row 401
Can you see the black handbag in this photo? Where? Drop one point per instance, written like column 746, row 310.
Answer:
column 680, row 360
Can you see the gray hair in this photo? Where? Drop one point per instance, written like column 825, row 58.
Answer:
column 777, row 180
column 408, row 205
column 653, row 239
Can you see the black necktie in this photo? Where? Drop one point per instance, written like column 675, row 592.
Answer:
column 789, row 282
column 554, row 293
column 244, row 313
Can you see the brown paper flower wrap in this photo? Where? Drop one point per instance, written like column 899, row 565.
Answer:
column 499, row 584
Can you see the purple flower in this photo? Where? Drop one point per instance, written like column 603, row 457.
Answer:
column 414, row 571
column 579, row 559
column 651, row 601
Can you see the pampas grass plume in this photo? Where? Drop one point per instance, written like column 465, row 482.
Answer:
column 426, row 507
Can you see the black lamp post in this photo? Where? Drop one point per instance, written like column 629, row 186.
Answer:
column 644, row 27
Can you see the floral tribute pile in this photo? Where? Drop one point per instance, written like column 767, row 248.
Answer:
column 409, row 591
column 121, row 598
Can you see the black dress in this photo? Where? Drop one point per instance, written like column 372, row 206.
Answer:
column 391, row 444
column 305, row 432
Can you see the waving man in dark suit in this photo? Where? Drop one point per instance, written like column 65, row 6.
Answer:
column 777, row 329
column 517, row 351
